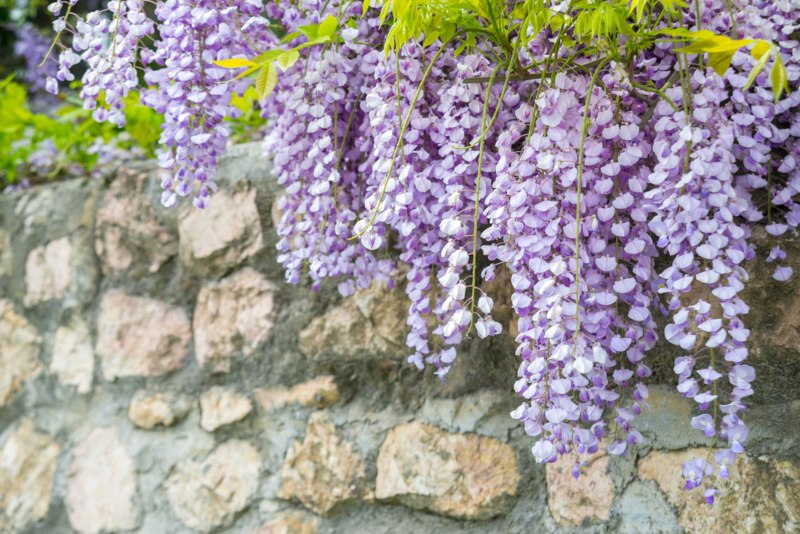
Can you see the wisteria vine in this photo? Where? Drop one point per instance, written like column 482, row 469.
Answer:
column 612, row 155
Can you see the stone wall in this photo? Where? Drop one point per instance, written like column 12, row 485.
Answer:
column 158, row 376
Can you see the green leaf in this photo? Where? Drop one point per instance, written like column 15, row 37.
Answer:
column 365, row 8
column 315, row 41
column 234, row 63
column 289, row 36
column 287, row 59
column 266, row 81
column 720, row 61
column 761, row 48
column 247, row 72
column 757, row 68
column 310, row 31
column 638, row 6
column 430, row 39
column 268, row 56
column 780, row 81
column 328, row 27
column 724, row 44
column 683, row 32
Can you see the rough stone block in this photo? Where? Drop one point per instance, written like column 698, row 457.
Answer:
column 223, row 235
column 73, row 356
column 760, row 496
column 101, row 484
column 368, row 325
column 19, row 352
column 291, row 522
column 208, row 494
column 459, row 475
column 49, row 272
column 232, row 318
column 589, row 497
column 27, row 467
column 130, row 237
column 150, row 409
column 220, row 406
column 324, row 470
column 5, row 253
column 138, row 336
column 317, row 393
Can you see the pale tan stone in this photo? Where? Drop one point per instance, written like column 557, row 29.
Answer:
column 150, row 409
column 232, row 318
column 220, row 406
column 48, row 271
column 5, row 253
column 276, row 213
column 588, row 498
column 324, row 470
column 223, row 235
column 317, row 393
column 459, row 475
column 128, row 234
column 73, row 356
column 291, row 522
column 19, row 352
column 101, row 485
column 370, row 324
column 138, row 336
column 208, row 494
column 762, row 495
column 27, row 467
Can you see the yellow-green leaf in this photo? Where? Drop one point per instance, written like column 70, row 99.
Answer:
column 310, row 30
column 697, row 47
column 234, row 63
column 266, row 81
column 327, row 28
column 725, row 44
column 720, row 61
column 289, row 36
column 247, row 72
column 780, row 82
column 683, row 32
column 638, row 6
column 761, row 48
column 365, row 7
column 318, row 40
column 268, row 57
column 430, row 39
column 757, row 68
column 287, row 59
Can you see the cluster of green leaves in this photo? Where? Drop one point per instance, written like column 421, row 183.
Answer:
column 592, row 29
column 265, row 66
column 720, row 50
column 473, row 21
column 70, row 130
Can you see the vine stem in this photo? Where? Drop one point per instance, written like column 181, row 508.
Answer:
column 579, row 187
column 116, row 29
column 769, row 190
column 399, row 143
column 535, row 75
column 57, row 38
column 476, row 211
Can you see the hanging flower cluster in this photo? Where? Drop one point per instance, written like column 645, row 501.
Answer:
column 612, row 156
